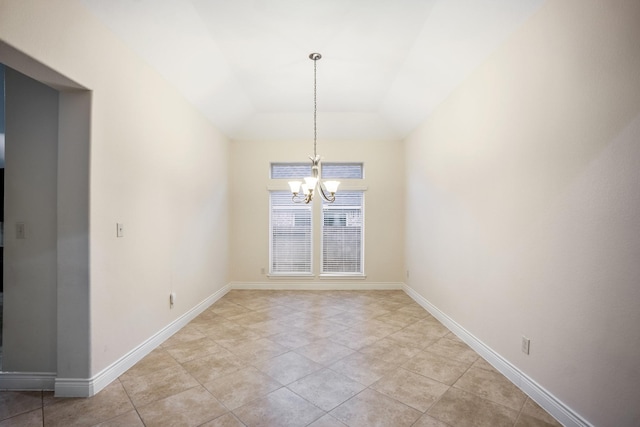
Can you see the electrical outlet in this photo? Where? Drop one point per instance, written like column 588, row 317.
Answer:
column 262, row 270
column 119, row 229
column 172, row 299
column 526, row 344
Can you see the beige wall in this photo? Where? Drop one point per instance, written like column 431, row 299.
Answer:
column 156, row 165
column 523, row 218
column 384, row 177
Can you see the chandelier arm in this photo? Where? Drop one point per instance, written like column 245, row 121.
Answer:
column 295, row 198
column 330, row 199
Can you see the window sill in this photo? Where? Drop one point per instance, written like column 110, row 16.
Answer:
column 342, row 276
column 290, row 276
column 321, row 276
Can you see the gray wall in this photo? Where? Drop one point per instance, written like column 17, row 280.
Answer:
column 29, row 335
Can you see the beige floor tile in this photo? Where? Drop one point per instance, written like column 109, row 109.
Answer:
column 411, row 389
column 429, row 421
column 532, row 409
column 226, row 420
column 376, row 328
column 48, row 398
column 321, row 328
column 436, row 367
column 254, row 301
column 27, row 419
column 317, row 340
column 188, row 333
column 483, row 364
column 250, row 318
column 363, row 368
column 389, row 305
column 128, row 419
column 245, row 385
column 107, row 404
column 390, row 351
column 189, row 408
column 255, row 350
column 282, row 408
column 228, row 331
column 226, row 308
column 373, row 311
column 414, row 310
column 461, row 409
column 492, row 386
column 430, row 327
column 158, row 385
column 325, row 312
column 347, row 318
column 18, row 402
column 325, row 328
column 372, row 409
column 327, row 421
column 454, row 350
column 355, row 340
column 398, row 318
column 156, row 360
column 529, row 421
column 288, row 367
column 413, row 338
column 195, row 349
column 208, row 368
column 301, row 319
column 324, row 351
column 294, row 338
column 326, row 389
column 269, row 328
column 278, row 310
column 245, row 337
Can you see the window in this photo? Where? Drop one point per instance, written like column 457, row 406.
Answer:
column 291, row 235
column 290, row 170
column 342, row 234
column 341, row 225
column 342, row 171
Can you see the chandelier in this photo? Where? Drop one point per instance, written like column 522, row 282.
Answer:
column 313, row 184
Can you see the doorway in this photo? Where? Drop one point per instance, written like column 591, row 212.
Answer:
column 44, row 345
column 2, row 127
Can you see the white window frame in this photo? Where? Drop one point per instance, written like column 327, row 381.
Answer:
column 330, row 207
column 301, row 207
column 348, row 184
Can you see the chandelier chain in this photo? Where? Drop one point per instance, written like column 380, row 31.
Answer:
column 314, row 184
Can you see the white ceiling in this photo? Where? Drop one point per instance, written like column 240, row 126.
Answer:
column 244, row 63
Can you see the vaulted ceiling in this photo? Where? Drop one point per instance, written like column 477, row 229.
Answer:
column 386, row 64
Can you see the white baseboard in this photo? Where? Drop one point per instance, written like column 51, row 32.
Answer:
column 542, row 397
column 324, row 285
column 27, row 381
column 86, row 387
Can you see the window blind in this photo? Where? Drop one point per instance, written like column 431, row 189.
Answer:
column 291, row 235
column 342, row 233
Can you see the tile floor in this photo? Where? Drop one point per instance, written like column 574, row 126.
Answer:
column 298, row 358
